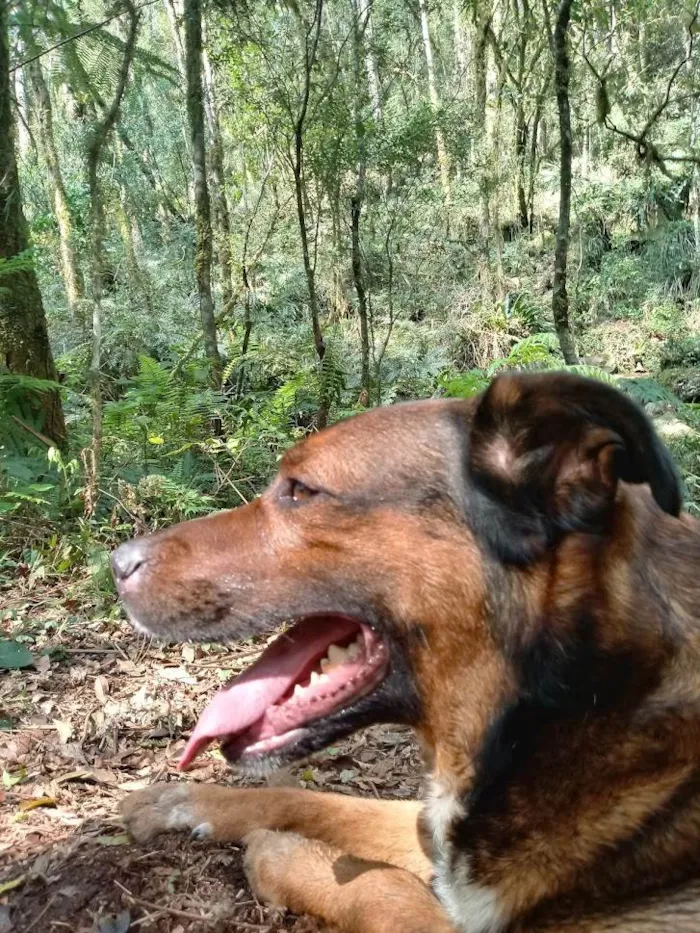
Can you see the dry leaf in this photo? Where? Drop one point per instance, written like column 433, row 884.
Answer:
column 101, row 687
column 43, row 664
column 188, row 653
column 138, row 784
column 31, row 803
column 11, row 885
column 103, row 776
column 178, row 674
column 120, row 840
column 64, row 729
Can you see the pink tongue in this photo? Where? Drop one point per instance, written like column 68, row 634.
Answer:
column 247, row 698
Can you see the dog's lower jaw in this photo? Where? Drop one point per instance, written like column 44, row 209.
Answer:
column 472, row 907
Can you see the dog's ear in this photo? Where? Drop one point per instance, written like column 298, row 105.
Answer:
column 546, row 453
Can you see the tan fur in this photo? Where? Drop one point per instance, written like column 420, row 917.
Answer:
column 596, row 824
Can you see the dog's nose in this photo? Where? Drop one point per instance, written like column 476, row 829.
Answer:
column 128, row 558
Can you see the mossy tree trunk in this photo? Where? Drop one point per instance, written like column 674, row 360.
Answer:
column 222, row 220
column 24, row 340
column 72, row 277
column 358, row 196
column 202, row 205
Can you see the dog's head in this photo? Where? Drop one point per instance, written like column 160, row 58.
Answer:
column 434, row 560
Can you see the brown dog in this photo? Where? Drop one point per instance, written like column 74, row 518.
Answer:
column 510, row 576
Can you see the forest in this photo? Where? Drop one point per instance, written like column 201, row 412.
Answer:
column 226, row 225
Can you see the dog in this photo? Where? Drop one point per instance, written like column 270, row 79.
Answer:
column 512, row 576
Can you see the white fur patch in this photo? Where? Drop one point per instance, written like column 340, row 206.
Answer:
column 472, row 907
column 442, row 809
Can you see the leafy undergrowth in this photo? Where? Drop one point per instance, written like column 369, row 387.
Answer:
column 103, row 712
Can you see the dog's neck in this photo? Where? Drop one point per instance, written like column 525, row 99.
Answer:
column 612, row 701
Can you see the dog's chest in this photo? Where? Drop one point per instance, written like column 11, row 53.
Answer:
column 472, row 907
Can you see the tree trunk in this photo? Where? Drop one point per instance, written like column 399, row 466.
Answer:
column 171, row 13
column 480, row 94
column 357, row 201
column 460, row 45
column 222, row 221
column 442, row 158
column 521, row 138
column 131, row 240
column 72, row 278
column 97, row 223
column 371, row 60
column 534, row 159
column 195, row 114
column 24, row 340
column 562, row 68
column 297, row 161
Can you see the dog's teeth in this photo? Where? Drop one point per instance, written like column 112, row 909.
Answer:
column 354, row 650
column 315, row 677
column 298, row 690
column 337, row 655
column 327, row 666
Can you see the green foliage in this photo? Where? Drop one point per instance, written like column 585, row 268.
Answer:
column 539, row 351
column 457, row 290
column 681, row 352
column 13, row 655
column 463, row 385
column 23, row 262
column 649, row 392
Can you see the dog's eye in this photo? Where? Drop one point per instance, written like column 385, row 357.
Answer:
column 296, row 491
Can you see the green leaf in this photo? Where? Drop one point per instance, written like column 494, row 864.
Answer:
column 14, row 656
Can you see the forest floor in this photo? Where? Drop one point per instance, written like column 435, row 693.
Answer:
column 104, row 712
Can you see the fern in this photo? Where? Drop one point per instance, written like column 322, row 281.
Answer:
column 648, row 391
column 332, row 378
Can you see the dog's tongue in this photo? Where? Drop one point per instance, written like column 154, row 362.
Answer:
column 246, row 699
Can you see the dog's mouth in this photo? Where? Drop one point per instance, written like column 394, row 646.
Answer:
column 321, row 666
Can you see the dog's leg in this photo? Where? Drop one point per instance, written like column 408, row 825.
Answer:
column 376, row 830
column 286, row 870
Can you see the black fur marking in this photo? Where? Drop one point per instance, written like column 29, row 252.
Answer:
column 543, row 416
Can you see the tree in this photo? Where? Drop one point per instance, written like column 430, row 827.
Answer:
column 560, row 298
column 99, row 137
column 220, row 202
column 24, row 340
column 204, row 251
column 72, row 276
column 442, row 157
column 358, row 195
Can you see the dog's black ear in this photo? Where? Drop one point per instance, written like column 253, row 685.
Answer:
column 546, row 453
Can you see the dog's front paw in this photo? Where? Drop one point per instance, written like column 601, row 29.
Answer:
column 159, row 809
column 268, row 859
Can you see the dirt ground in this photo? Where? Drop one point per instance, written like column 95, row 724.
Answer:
column 104, row 712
